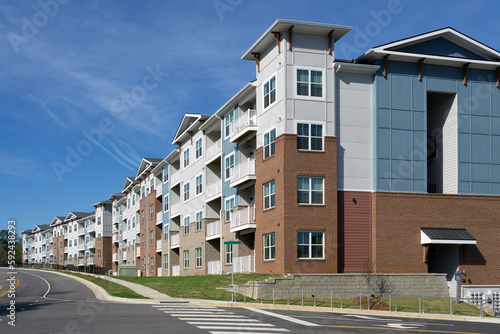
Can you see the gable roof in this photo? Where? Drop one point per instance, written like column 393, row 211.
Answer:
column 189, row 122
column 129, row 181
column 77, row 215
column 57, row 220
column 146, row 164
column 445, row 46
column 40, row 228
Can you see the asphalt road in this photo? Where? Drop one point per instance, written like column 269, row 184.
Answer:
column 49, row 303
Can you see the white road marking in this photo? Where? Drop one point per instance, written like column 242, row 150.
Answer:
column 368, row 318
column 188, row 309
column 183, row 306
column 242, row 320
column 284, row 317
column 48, row 290
column 226, row 332
column 245, row 328
column 237, row 324
column 401, row 326
column 196, row 312
column 201, row 315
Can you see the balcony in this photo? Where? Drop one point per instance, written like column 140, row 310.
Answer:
column 159, row 272
column 91, row 228
column 213, row 152
column 245, row 127
column 175, row 179
column 243, row 174
column 213, row 191
column 213, row 267
column 91, row 244
column 66, row 249
column 159, row 217
column 65, row 263
column 81, row 230
column 115, row 237
column 174, row 240
column 158, row 246
column 124, row 255
column 213, row 230
column 138, row 251
column 90, row 260
column 175, row 210
column 176, row 271
column 242, row 218
column 244, row 264
column 115, row 257
column 159, row 188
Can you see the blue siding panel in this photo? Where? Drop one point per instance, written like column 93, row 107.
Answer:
column 464, row 123
column 464, row 187
column 401, row 92
column 481, row 173
column 481, row 188
column 495, row 141
column 495, row 126
column 481, row 148
column 401, row 144
column 419, row 121
column 441, row 85
column 419, row 146
column 481, row 98
column 419, row 95
column 464, row 146
column 384, row 118
column 464, row 172
column 496, row 173
column 384, row 143
column 495, row 101
column 480, row 124
column 383, row 92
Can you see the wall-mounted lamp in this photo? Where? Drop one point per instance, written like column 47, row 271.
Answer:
column 354, row 201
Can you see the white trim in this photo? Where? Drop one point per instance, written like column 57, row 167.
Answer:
column 168, row 203
column 355, row 68
column 263, row 142
column 425, row 240
column 202, row 149
column 196, row 186
column 323, row 124
column 323, row 83
column 275, row 75
column 225, row 167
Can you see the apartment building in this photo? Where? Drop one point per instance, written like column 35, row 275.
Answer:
column 103, row 235
column 37, row 245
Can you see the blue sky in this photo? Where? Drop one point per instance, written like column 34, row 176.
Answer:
column 123, row 73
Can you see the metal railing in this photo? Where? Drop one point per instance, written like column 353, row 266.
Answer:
column 243, row 264
column 243, row 216
column 213, row 149
column 159, row 217
column 214, row 189
column 245, row 119
column 213, row 267
column 174, row 240
column 213, row 228
column 176, row 270
column 176, row 176
column 245, row 168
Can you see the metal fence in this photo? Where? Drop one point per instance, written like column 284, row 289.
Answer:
column 360, row 300
column 84, row 269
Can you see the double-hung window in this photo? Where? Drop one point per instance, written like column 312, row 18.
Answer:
column 199, row 184
column 151, row 211
column 199, row 148
column 228, row 119
column 133, row 222
column 269, row 196
column 310, row 137
column 165, row 261
column 165, row 175
column 310, row 190
column 199, row 216
column 98, row 220
column 229, row 204
column 186, row 225
column 310, row 245
column 309, row 83
column 198, row 257
column 270, row 92
column 228, row 164
column 186, row 259
column 186, row 157
column 165, row 203
column 229, row 254
column 269, row 138
column 269, row 246
column 186, row 191
column 151, row 238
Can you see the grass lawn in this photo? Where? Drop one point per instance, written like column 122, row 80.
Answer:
column 114, row 289
column 198, row 287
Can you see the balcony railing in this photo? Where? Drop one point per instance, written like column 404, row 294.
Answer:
column 124, row 255
column 90, row 260
column 243, row 122
column 158, row 271
column 159, row 188
column 213, row 229
column 81, row 230
column 175, row 209
column 242, row 218
column 81, row 246
column 65, row 263
column 91, row 227
column 138, row 251
column 176, row 177
column 115, row 237
column 65, row 249
column 213, row 150
column 115, row 257
column 159, row 217
column 244, row 264
column 91, row 244
column 174, row 240
column 213, row 190
column 176, row 271
column 213, row 267
column 243, row 172
column 158, row 245
column 81, row 261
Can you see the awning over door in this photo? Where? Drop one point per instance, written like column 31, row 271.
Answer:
column 446, row 236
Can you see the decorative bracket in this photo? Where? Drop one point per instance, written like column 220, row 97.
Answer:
column 466, row 70
column 330, row 37
column 420, row 66
column 290, row 32
column 277, row 37
column 386, row 58
column 256, row 55
column 498, row 76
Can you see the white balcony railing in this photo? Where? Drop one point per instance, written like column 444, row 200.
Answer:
column 243, row 217
column 90, row 260
column 213, row 229
column 175, row 209
column 115, row 257
column 81, row 246
column 81, row 230
column 245, row 119
column 115, row 237
column 124, row 255
column 65, row 263
column 159, row 188
column 159, row 217
column 81, row 261
column 176, row 271
column 213, row 267
column 242, row 170
column 65, row 249
column 244, row 264
column 174, row 240
column 158, row 271
column 91, row 244
column 213, row 189
column 138, row 251
column 91, row 227
column 158, row 245
column 213, row 150
column 176, row 176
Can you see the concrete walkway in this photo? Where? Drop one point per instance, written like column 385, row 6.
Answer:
column 139, row 288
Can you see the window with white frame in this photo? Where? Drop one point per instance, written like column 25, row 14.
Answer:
column 199, row 217
column 228, row 119
column 165, row 175
column 69, row 230
column 98, row 220
column 87, row 240
column 165, row 261
column 228, row 163
column 151, row 185
column 309, row 83
column 98, row 237
column 70, row 243
column 133, row 199
column 75, row 243
column 128, row 224
column 98, row 253
column 151, row 238
column 152, row 263
column 269, row 195
column 186, row 191
column 186, row 224
column 186, row 157
column 143, row 194
column 199, row 148
column 133, row 222
column 199, row 184
column 229, row 254
column 198, row 257
column 228, row 205
column 269, row 148
column 165, row 203
column 128, row 203
column 269, row 246
column 309, row 136
column 269, row 92
column 151, row 211
column 310, row 245
column 186, row 259
column 310, row 190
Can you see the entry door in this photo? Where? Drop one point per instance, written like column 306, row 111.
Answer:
column 443, row 259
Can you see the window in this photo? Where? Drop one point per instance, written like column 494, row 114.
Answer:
column 269, row 246
column 142, row 243
column 309, row 83
column 269, row 143
column 186, row 259
column 69, row 230
column 128, row 203
column 75, row 243
column 151, row 185
column 199, row 216
column 186, row 191
column 143, row 193
column 133, row 222
column 270, row 92
column 229, row 204
column 151, row 211
column 151, row 238
column 229, row 162
column 142, row 216
column 98, row 237
column 310, row 245
column 199, row 185
column 198, row 257
column 186, row 225
column 87, row 240
column 199, row 149
column 186, row 157
column 165, row 262
column 165, row 175
column 128, row 224
column 229, row 254
column 269, row 197
column 310, row 137
column 133, row 199
column 98, row 253
column 310, row 190
column 70, row 243
column 152, row 263
column 228, row 119
column 165, row 203
column 143, row 265
column 98, row 220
